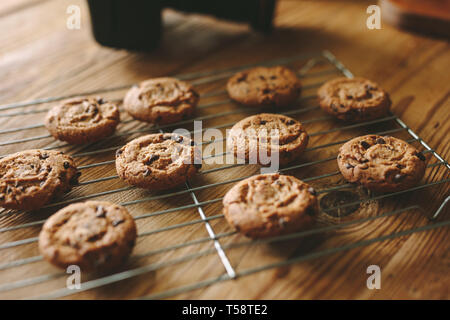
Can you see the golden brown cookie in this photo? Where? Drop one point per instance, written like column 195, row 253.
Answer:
column 384, row 164
column 161, row 100
column 94, row 235
column 356, row 99
column 268, row 205
column 32, row 178
column 267, row 134
column 262, row 86
column 82, row 120
column 158, row 161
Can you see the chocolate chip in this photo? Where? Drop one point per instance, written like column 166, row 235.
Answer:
column 312, row 191
column 262, row 122
column 349, row 166
column 400, row 166
column 242, row 78
column 365, row 145
column 41, row 184
column 290, row 122
column 147, row 172
column 100, row 101
column 273, row 77
column 94, row 237
column 421, row 156
column 151, row 159
column 262, row 78
column 66, row 165
column 381, row 141
column 119, row 152
column 43, row 156
column 117, row 222
column 2, row 197
column 193, row 143
column 101, row 212
column 266, row 91
column 369, row 87
column 92, row 109
column 364, row 160
column 398, row 177
column 349, row 97
column 369, row 95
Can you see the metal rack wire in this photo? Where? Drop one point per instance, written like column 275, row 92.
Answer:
column 332, row 67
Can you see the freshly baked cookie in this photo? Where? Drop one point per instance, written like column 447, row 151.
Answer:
column 384, row 164
column 356, row 99
column 261, row 86
column 83, row 119
column 161, row 100
column 158, row 161
column 32, row 178
column 94, row 235
column 267, row 205
column 267, row 134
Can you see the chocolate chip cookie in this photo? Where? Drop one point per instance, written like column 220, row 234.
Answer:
column 158, row 161
column 354, row 100
column 161, row 100
column 271, row 136
column 32, row 178
column 82, row 120
column 384, row 164
column 267, row 205
column 261, row 86
column 94, row 235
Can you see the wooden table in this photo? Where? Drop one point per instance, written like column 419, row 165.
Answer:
column 40, row 57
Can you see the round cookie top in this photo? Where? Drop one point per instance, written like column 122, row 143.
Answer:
column 158, row 161
column 354, row 99
column 32, row 178
column 261, row 86
column 82, row 120
column 270, row 204
column 161, row 100
column 92, row 235
column 268, row 133
column 382, row 164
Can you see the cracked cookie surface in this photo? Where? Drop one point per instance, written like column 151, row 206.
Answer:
column 268, row 135
column 32, row 178
column 158, row 161
column 354, row 100
column 94, row 235
column 82, row 120
column 381, row 163
column 262, row 86
column 270, row 204
column 161, row 100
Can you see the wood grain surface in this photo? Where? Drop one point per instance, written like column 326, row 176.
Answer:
column 40, row 57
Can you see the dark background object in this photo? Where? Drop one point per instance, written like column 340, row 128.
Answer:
column 137, row 24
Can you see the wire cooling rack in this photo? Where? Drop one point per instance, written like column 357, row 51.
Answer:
column 183, row 231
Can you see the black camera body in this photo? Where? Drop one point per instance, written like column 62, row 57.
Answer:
column 137, row 24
